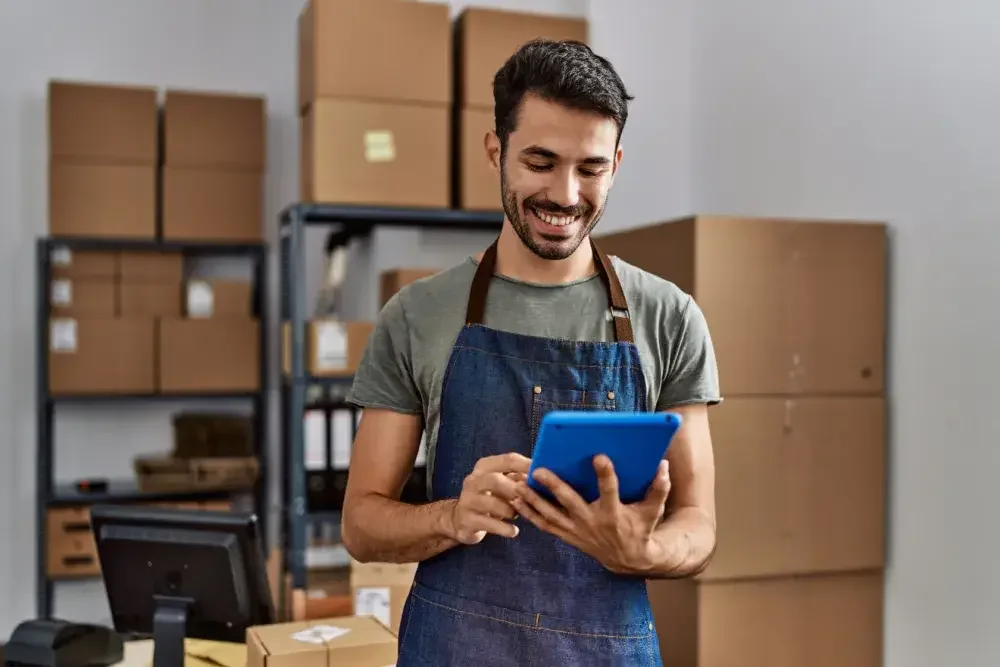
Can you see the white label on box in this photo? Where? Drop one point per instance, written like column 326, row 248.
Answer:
column 61, row 256
column 342, row 436
column 314, row 426
column 61, row 293
column 380, row 146
column 200, row 299
column 331, row 346
column 373, row 602
column 62, row 335
column 319, row 634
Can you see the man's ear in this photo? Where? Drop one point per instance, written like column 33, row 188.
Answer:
column 618, row 161
column 492, row 144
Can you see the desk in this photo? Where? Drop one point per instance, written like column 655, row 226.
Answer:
column 198, row 653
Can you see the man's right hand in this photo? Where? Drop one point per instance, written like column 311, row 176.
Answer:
column 484, row 504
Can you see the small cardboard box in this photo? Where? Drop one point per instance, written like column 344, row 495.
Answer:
column 217, row 355
column 333, row 348
column 204, row 299
column 151, row 267
column 380, row 590
column 348, row 641
column 88, row 297
column 66, row 263
column 215, row 130
column 149, row 299
column 202, row 204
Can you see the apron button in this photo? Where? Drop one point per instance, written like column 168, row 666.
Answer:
column 611, row 395
column 537, row 389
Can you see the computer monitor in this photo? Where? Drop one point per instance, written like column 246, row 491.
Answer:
column 177, row 573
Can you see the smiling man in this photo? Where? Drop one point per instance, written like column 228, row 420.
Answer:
column 478, row 354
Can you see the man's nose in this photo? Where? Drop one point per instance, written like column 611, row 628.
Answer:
column 565, row 190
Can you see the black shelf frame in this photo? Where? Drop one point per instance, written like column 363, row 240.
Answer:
column 346, row 222
column 48, row 494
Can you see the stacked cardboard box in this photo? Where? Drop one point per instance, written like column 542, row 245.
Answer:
column 797, row 316
column 393, row 280
column 486, row 38
column 214, row 159
column 374, row 93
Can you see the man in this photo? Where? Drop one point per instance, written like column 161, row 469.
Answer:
column 476, row 355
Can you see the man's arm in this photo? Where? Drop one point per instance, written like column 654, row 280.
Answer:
column 376, row 526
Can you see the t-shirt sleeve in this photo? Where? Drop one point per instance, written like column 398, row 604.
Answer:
column 384, row 377
column 692, row 375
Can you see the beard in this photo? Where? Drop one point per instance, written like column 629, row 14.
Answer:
column 545, row 246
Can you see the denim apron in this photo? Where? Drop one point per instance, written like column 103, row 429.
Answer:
column 531, row 600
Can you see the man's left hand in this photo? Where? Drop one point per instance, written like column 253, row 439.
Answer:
column 617, row 535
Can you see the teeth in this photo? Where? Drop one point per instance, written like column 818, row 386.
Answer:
column 558, row 221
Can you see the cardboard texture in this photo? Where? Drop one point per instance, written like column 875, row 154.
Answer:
column 212, row 204
column 478, row 182
column 210, row 130
column 71, row 550
column 794, row 307
column 380, row 590
column 102, row 200
column 83, row 297
column 800, row 486
column 342, row 641
column 355, row 152
column 65, row 263
column 101, row 355
column 151, row 267
column 830, row 621
column 394, row 280
column 205, row 299
column 333, row 348
column 102, row 124
column 213, row 355
column 149, row 299
column 412, row 63
column 488, row 37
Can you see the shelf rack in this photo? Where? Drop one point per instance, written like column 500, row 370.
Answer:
column 346, row 223
column 50, row 495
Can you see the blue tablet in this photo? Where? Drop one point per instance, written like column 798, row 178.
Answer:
column 635, row 442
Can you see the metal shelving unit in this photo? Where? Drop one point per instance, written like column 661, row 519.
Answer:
column 299, row 390
column 50, row 495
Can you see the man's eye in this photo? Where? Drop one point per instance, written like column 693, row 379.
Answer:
column 538, row 167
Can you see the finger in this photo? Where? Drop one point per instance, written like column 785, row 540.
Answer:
column 504, row 463
column 492, row 505
column 517, row 477
column 479, row 522
column 659, row 490
column 549, row 512
column 497, row 484
column 537, row 519
column 563, row 492
column 607, row 483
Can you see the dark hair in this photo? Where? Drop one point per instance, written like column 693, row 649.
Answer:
column 568, row 73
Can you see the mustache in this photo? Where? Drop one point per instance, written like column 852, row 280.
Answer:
column 546, row 206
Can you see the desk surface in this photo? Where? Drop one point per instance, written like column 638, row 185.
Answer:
column 139, row 653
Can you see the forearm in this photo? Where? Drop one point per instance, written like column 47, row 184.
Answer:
column 378, row 529
column 681, row 546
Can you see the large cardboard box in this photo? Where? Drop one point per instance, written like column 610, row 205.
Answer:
column 381, row 589
column 102, row 200
column 829, row 621
column 102, row 124
column 800, row 486
column 333, row 348
column 478, row 183
column 394, row 280
column 212, row 204
column 488, row 37
column 794, row 306
column 211, row 130
column 101, row 355
column 213, row 355
column 342, row 641
column 359, row 152
column 378, row 50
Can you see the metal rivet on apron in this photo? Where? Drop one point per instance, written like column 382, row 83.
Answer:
column 611, row 395
column 537, row 389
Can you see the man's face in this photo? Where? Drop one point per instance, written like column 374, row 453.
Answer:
column 555, row 176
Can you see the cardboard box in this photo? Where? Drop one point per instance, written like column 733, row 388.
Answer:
column 97, row 355
column 356, row 152
column 380, row 590
column 488, row 37
column 103, row 124
column 394, row 280
column 86, row 265
column 102, row 200
column 800, row 484
column 70, row 548
column 218, row 298
column 212, row 205
column 831, row 620
column 412, row 62
column 84, row 297
column 794, row 307
column 478, row 182
column 149, row 299
column 151, row 267
column 343, row 641
column 214, row 131
column 217, row 355
column 333, row 348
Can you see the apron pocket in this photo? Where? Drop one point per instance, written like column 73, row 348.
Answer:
column 549, row 399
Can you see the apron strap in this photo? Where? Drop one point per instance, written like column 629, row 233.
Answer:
column 616, row 295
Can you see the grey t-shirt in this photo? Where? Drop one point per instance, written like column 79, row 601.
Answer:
column 405, row 359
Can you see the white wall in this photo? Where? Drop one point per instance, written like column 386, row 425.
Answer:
column 889, row 110
column 241, row 46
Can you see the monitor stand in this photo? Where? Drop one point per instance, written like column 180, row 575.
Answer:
column 169, row 630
